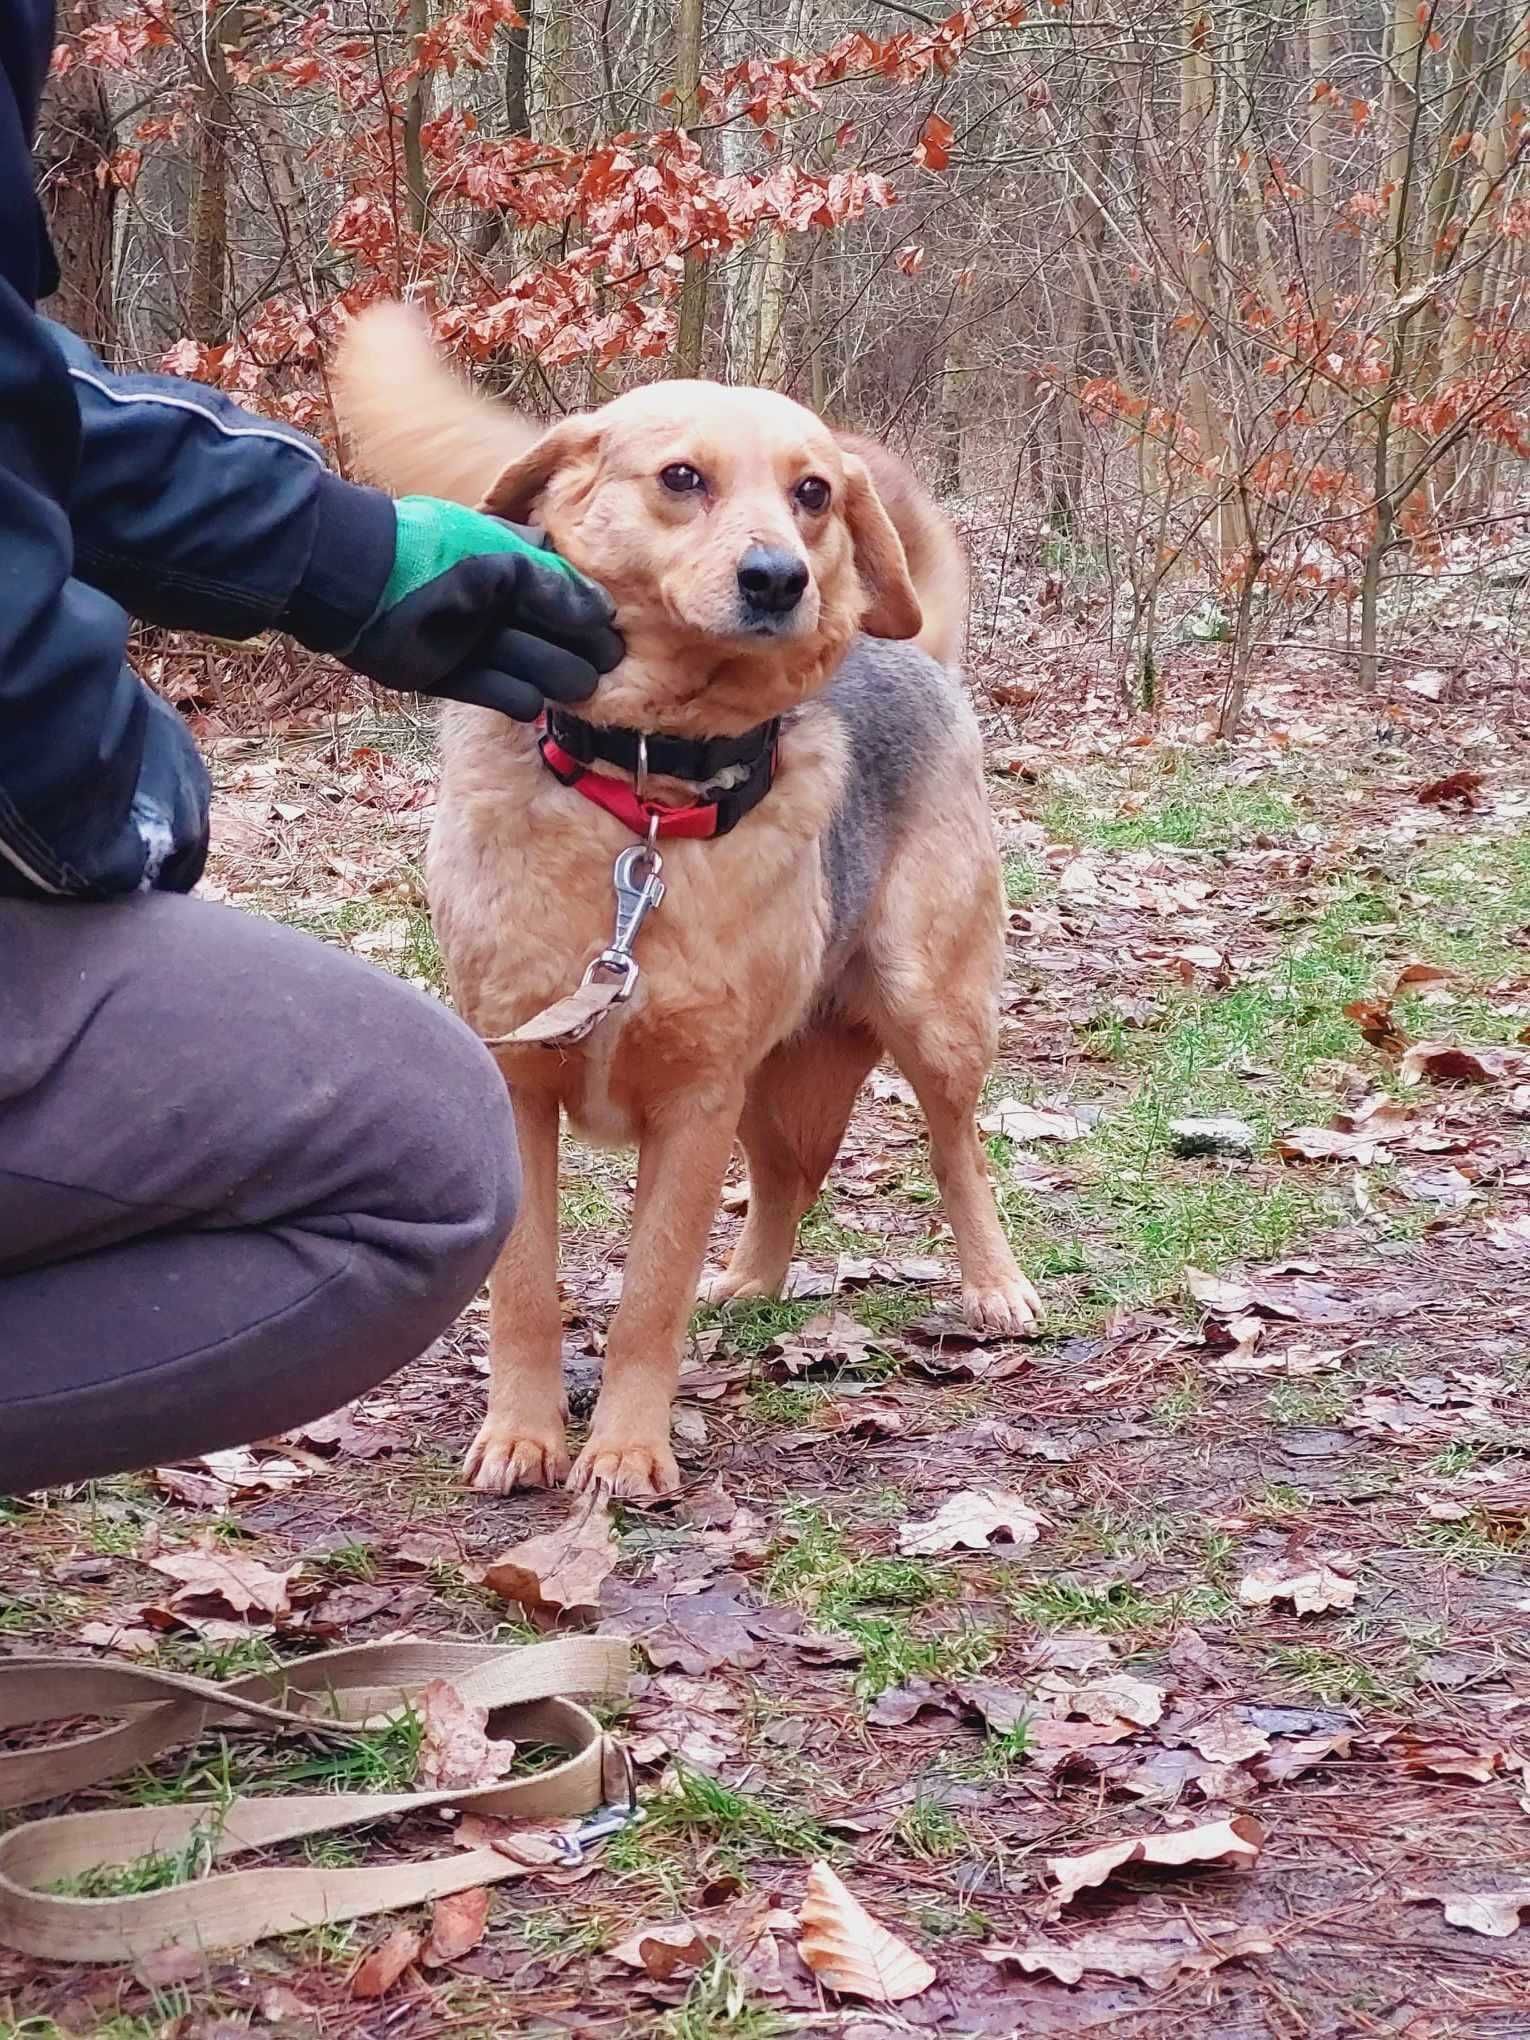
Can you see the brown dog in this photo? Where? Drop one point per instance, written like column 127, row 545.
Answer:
column 855, row 910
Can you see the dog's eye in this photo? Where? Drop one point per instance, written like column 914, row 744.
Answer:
column 681, row 480
column 813, row 494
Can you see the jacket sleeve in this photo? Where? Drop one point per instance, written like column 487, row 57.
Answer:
column 197, row 515
column 76, row 819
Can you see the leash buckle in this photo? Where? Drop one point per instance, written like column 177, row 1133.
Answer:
column 639, row 889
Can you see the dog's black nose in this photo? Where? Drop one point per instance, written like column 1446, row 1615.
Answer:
column 771, row 580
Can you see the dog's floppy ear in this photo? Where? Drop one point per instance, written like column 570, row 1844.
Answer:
column 892, row 602
column 515, row 493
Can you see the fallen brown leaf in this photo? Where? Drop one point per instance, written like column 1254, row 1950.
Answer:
column 1226, row 1738
column 1374, row 1019
column 856, row 1272
column 695, row 1633
column 381, row 1967
column 1480, row 1762
column 1447, row 1062
column 458, row 1923
column 971, row 1520
column 455, row 1748
column 1312, row 1589
column 1456, row 789
column 559, row 1573
column 122, row 1634
column 240, row 1583
column 1154, row 1956
column 1494, row 1913
column 1118, row 1697
column 1216, row 1292
column 1238, row 1840
column 1016, row 1121
column 664, row 1951
column 852, row 1953
column 342, row 1435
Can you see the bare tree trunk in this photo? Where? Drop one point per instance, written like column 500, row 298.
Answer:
column 1315, row 252
column 517, row 114
column 691, row 333
column 554, row 115
column 416, row 113
column 207, row 296
column 1481, row 225
column 769, row 349
column 73, row 146
column 1086, row 221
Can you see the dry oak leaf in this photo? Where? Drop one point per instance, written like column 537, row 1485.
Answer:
column 458, row 1923
column 1155, row 1956
column 1494, row 1913
column 1447, row 1062
column 972, row 1519
column 1311, row 1589
column 381, row 1967
column 1016, row 1121
column 455, row 1748
column 1238, row 1840
column 1226, row 1738
column 1456, row 789
column 561, row 1572
column 240, row 1583
column 1216, row 1292
column 1374, row 1019
column 852, row 1953
column 1117, row 1697
column 663, row 1951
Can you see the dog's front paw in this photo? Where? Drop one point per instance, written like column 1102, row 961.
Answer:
column 505, row 1456
column 729, row 1287
column 633, row 1467
column 1008, row 1307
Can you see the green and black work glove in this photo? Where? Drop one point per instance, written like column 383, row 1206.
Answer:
column 477, row 610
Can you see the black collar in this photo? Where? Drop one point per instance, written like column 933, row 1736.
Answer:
column 698, row 759
column 569, row 746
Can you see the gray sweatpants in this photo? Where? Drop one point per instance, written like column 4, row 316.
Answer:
column 243, row 1176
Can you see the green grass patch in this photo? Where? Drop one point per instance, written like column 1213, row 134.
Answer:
column 929, row 1831
column 1187, row 808
column 885, row 1603
column 1322, row 1400
column 1121, row 1609
column 698, row 1807
column 1336, row 1678
column 717, row 2006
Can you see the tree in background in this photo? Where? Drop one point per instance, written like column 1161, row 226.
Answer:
column 1228, row 300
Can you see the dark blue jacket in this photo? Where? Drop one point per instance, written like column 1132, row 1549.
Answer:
column 141, row 495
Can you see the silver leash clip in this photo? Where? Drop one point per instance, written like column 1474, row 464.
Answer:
column 639, row 889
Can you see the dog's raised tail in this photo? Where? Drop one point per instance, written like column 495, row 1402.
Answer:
column 412, row 425
column 937, row 564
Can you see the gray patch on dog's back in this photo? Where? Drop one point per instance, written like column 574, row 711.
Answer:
column 896, row 706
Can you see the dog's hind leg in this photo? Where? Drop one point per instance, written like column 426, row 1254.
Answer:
column 795, row 1114
column 520, row 1442
column 944, row 1061
column 937, row 955
column 682, row 1158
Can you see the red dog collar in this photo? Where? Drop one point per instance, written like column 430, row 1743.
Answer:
column 713, row 816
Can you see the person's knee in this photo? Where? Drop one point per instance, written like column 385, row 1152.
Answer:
column 450, row 1131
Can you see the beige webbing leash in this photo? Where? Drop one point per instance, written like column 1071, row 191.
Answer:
column 333, row 1694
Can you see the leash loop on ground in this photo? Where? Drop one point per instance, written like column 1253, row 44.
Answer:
column 333, row 1695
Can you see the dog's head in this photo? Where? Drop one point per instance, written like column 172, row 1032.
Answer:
column 742, row 545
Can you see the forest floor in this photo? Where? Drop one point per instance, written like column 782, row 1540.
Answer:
column 1292, row 1373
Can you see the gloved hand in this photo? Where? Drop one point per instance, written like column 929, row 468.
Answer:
column 170, row 803
column 475, row 610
